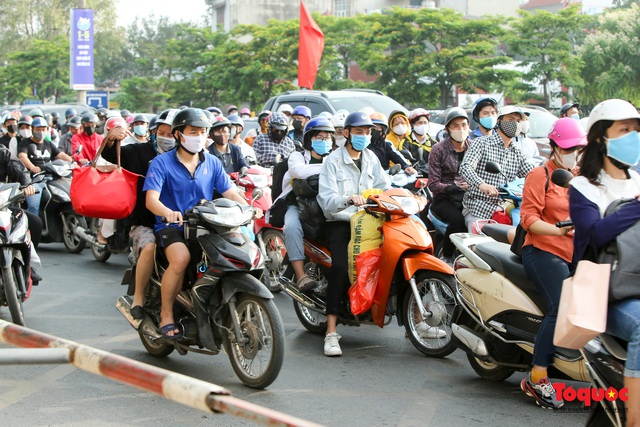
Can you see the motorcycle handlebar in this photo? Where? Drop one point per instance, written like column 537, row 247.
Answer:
column 567, row 223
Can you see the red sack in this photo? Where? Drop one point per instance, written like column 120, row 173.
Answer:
column 107, row 192
column 362, row 291
column 501, row 216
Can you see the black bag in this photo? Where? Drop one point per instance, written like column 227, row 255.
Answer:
column 622, row 255
column 311, row 217
column 306, row 187
column 518, row 240
column 277, row 212
column 277, row 176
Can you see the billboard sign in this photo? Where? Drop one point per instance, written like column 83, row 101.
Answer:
column 98, row 99
column 81, row 49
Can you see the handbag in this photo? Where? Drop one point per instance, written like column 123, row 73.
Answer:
column 518, row 240
column 107, row 192
column 582, row 313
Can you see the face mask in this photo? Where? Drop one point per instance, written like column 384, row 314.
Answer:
column 625, row 149
column 376, row 135
column 511, row 128
column 89, row 130
column 165, row 143
column 568, row 160
column 297, row 125
column 524, row 127
column 488, row 122
column 25, row 133
column 321, row 146
column 459, row 135
column 340, row 140
column 421, row 129
column 276, row 135
column 38, row 136
column 246, row 116
column 11, row 129
column 194, row 144
column 140, row 130
column 575, row 116
column 400, row 130
column 218, row 139
column 360, row 142
column 233, row 133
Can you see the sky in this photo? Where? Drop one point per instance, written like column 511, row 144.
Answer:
column 176, row 10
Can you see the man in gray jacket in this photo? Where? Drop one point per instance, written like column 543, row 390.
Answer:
column 346, row 172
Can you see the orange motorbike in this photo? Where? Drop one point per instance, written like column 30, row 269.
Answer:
column 413, row 285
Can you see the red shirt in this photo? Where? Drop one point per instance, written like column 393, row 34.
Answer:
column 90, row 146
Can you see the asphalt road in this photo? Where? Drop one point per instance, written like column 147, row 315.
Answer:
column 381, row 380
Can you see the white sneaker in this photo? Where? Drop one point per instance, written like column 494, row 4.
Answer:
column 331, row 346
column 429, row 332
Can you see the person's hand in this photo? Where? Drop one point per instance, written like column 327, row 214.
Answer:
column 258, row 213
column 29, row 191
column 463, row 185
column 410, row 171
column 488, row 190
column 83, row 161
column 35, row 169
column 117, row 134
column 563, row 231
column 173, row 216
column 356, row 200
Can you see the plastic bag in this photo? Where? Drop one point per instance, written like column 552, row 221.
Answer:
column 311, row 217
column 366, row 235
column 362, row 291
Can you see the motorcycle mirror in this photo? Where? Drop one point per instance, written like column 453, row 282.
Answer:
column 561, row 177
column 256, row 194
column 395, row 169
column 79, row 149
column 407, row 155
column 243, row 171
column 492, row 167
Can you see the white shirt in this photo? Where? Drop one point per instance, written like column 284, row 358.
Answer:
column 610, row 190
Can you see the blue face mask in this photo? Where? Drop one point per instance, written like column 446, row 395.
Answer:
column 360, row 142
column 489, row 122
column 625, row 149
column 321, row 146
column 233, row 134
column 140, row 130
column 575, row 116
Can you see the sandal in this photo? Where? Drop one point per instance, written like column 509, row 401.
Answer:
column 171, row 327
column 306, row 283
column 137, row 312
column 100, row 239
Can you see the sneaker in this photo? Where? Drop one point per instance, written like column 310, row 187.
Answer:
column 429, row 332
column 306, row 283
column 331, row 346
column 543, row 392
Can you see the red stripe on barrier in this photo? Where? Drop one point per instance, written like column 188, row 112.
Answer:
column 133, row 373
column 26, row 338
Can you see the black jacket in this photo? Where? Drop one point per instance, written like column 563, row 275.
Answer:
column 386, row 153
column 12, row 170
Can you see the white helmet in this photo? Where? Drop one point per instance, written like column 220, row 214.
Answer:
column 285, row 108
column 612, row 109
column 327, row 115
column 510, row 109
column 338, row 120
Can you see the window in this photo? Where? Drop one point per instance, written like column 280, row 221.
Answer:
column 341, row 8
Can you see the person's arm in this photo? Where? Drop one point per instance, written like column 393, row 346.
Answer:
column 59, row 154
column 156, row 207
column 469, row 165
column 16, row 172
column 299, row 169
column 525, row 165
column 24, row 158
column 395, row 156
column 241, row 163
column 329, row 197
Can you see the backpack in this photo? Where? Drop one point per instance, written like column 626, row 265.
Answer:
column 277, row 176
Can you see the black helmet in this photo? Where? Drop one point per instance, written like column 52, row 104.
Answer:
column 152, row 123
column 314, row 126
column 480, row 104
column 125, row 113
column 55, row 115
column 25, row 120
column 89, row 118
column 70, row 113
column 454, row 113
column 357, row 118
column 140, row 118
column 566, row 107
column 74, row 122
column 190, row 117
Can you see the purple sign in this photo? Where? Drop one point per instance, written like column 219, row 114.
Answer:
column 81, row 49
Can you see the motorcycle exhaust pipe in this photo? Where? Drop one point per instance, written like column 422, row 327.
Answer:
column 470, row 339
column 123, row 304
column 82, row 233
column 312, row 304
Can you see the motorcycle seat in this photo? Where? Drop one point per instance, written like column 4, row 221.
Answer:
column 503, row 261
column 614, row 346
column 497, row 232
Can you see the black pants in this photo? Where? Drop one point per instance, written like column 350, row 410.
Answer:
column 337, row 235
column 449, row 212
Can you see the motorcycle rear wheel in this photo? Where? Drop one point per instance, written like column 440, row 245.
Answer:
column 156, row 348
column 437, row 292
column 72, row 242
column 258, row 361
column 489, row 371
column 103, row 254
column 14, row 301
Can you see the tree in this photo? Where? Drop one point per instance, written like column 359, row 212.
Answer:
column 545, row 43
column 142, row 94
column 612, row 56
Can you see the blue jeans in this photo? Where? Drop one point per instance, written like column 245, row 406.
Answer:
column 33, row 202
column 547, row 271
column 293, row 234
column 623, row 321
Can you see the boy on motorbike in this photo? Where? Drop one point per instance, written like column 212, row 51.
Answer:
column 345, row 174
column 317, row 142
column 481, row 199
column 383, row 148
column 274, row 142
column 175, row 182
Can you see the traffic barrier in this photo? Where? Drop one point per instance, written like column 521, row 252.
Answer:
column 170, row 385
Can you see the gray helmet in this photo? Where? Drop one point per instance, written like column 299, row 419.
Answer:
column 25, row 120
column 166, row 117
column 74, row 122
column 454, row 113
column 90, row 118
column 140, row 118
column 190, row 117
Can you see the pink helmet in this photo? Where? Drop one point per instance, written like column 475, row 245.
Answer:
column 245, row 110
column 568, row 133
column 418, row 112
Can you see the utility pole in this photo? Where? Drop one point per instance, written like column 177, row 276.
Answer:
column 82, row 94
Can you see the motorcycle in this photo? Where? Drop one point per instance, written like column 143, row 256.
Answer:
column 222, row 304
column 117, row 243
column 15, row 247
column 60, row 221
column 256, row 182
column 413, row 284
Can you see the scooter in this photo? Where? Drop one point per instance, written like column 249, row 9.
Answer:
column 15, row 253
column 222, row 304
column 413, row 284
column 117, row 243
column 256, row 182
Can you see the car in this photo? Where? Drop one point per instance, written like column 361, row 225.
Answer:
column 333, row 100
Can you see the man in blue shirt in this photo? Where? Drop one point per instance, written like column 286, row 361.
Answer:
column 175, row 182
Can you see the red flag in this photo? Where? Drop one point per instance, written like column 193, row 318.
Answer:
column 309, row 50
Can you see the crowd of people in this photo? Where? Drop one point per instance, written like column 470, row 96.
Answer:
column 186, row 154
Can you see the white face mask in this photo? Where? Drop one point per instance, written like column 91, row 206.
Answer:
column 165, row 143
column 421, row 129
column 568, row 160
column 194, row 144
column 524, row 127
column 340, row 140
column 25, row 133
column 400, row 129
column 459, row 135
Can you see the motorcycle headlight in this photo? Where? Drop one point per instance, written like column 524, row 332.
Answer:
column 408, row 204
column 60, row 193
column 5, row 193
column 17, row 234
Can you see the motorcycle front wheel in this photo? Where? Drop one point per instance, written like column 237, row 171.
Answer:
column 71, row 240
column 14, row 300
column 433, row 337
column 257, row 355
column 100, row 254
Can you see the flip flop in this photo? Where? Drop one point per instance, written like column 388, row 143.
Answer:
column 137, row 312
column 171, row 327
